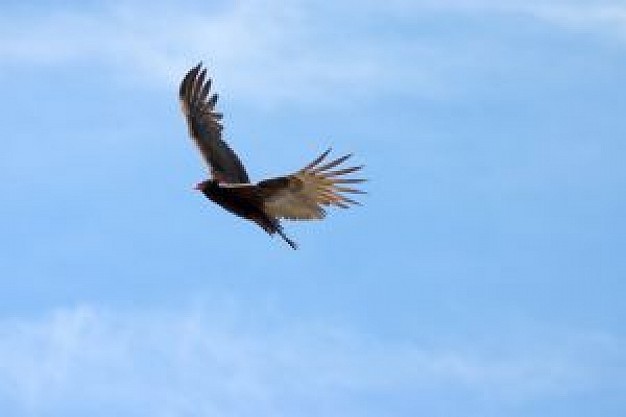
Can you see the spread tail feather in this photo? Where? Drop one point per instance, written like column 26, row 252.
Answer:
column 282, row 234
column 271, row 226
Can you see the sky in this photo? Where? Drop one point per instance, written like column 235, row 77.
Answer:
column 483, row 275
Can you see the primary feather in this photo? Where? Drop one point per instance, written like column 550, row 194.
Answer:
column 302, row 195
column 205, row 127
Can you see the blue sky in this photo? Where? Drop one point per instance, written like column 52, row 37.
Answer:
column 484, row 275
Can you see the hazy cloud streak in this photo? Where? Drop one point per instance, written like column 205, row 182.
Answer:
column 220, row 363
column 269, row 51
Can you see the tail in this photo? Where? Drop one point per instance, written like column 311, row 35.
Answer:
column 282, row 234
column 272, row 225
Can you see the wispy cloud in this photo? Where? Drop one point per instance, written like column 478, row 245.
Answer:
column 260, row 48
column 220, row 362
column 595, row 16
column 272, row 51
column 606, row 19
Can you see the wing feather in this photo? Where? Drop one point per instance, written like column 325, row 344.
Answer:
column 198, row 106
column 304, row 194
column 332, row 164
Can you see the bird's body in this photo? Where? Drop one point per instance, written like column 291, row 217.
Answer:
column 298, row 196
column 247, row 205
column 244, row 202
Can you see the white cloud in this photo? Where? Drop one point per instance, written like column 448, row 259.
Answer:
column 593, row 16
column 275, row 51
column 609, row 19
column 258, row 48
column 221, row 362
column 267, row 51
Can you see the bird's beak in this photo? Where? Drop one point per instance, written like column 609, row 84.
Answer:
column 198, row 186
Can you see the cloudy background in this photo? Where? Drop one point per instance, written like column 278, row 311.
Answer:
column 484, row 276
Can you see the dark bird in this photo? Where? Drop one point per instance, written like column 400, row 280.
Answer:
column 298, row 196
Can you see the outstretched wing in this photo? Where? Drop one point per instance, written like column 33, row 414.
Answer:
column 303, row 195
column 205, row 127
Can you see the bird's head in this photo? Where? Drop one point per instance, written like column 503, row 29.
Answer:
column 202, row 185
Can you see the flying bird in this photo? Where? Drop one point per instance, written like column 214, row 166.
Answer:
column 301, row 195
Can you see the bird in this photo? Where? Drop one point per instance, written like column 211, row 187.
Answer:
column 301, row 195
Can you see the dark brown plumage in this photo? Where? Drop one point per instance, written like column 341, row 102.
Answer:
column 298, row 196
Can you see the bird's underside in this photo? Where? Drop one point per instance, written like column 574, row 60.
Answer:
column 302, row 195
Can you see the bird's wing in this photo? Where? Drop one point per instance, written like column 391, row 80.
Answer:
column 303, row 195
column 205, row 127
